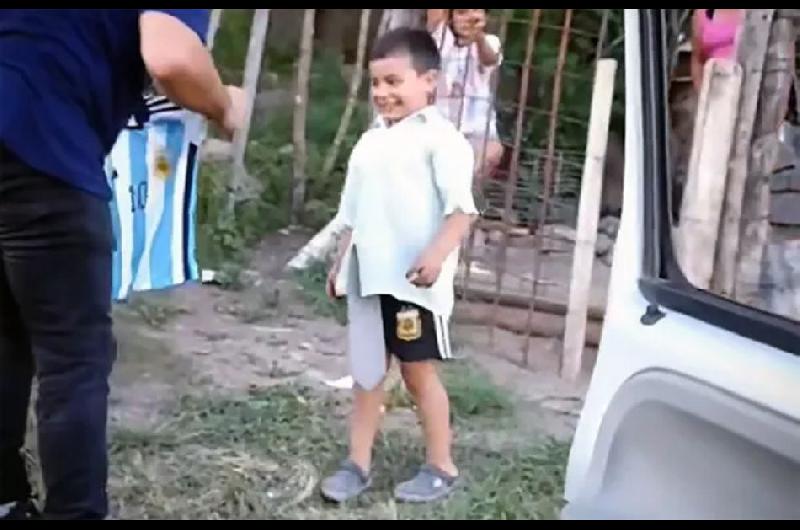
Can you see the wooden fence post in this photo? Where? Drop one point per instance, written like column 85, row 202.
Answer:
column 588, row 214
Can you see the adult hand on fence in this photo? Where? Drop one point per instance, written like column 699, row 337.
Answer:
column 235, row 113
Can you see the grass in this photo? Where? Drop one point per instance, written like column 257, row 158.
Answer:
column 261, row 457
column 472, row 394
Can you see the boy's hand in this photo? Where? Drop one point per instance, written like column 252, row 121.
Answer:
column 425, row 271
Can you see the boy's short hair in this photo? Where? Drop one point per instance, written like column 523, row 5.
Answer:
column 417, row 44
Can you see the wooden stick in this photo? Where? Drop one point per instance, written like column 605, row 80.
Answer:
column 588, row 214
column 213, row 27
column 300, row 112
column 252, row 72
column 352, row 97
column 764, row 158
column 704, row 195
column 558, row 174
column 752, row 51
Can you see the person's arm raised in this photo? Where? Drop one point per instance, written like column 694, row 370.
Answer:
column 435, row 18
column 183, row 70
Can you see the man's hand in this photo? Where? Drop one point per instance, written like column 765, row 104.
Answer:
column 425, row 271
column 234, row 116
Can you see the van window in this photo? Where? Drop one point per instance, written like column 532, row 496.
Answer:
column 723, row 182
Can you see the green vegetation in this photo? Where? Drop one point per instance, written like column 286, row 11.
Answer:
column 262, row 457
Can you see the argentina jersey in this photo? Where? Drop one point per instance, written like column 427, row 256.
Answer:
column 152, row 171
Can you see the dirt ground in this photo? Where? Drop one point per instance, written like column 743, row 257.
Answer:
column 202, row 338
column 204, row 344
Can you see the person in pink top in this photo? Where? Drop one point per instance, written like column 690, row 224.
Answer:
column 714, row 34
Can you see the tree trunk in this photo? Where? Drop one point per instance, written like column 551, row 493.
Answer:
column 352, row 97
column 773, row 103
column 300, row 111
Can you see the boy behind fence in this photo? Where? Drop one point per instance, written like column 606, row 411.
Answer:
column 407, row 205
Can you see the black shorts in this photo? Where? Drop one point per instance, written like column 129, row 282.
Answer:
column 412, row 333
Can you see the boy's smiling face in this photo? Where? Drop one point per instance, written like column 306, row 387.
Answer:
column 398, row 90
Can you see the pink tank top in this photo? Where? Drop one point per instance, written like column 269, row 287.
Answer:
column 718, row 37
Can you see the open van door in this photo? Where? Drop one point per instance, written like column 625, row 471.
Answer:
column 694, row 406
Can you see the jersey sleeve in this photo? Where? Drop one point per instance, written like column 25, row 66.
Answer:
column 196, row 19
column 453, row 166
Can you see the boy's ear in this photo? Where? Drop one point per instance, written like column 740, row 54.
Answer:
column 431, row 76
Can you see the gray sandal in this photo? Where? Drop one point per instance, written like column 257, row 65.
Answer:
column 429, row 485
column 347, row 483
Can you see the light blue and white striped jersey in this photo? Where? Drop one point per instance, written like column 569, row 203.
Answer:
column 152, row 171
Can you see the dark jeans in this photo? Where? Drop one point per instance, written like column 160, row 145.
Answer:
column 55, row 322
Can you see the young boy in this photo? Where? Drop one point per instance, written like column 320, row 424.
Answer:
column 407, row 204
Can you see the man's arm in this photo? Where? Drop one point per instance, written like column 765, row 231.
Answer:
column 183, row 70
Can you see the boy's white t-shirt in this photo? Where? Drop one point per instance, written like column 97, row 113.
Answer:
column 402, row 182
column 463, row 77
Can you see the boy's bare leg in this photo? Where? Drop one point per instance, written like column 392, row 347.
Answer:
column 423, row 382
column 353, row 476
column 364, row 424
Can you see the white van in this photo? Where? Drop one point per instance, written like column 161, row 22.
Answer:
column 694, row 406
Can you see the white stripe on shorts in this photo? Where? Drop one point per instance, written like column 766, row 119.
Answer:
column 442, row 337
